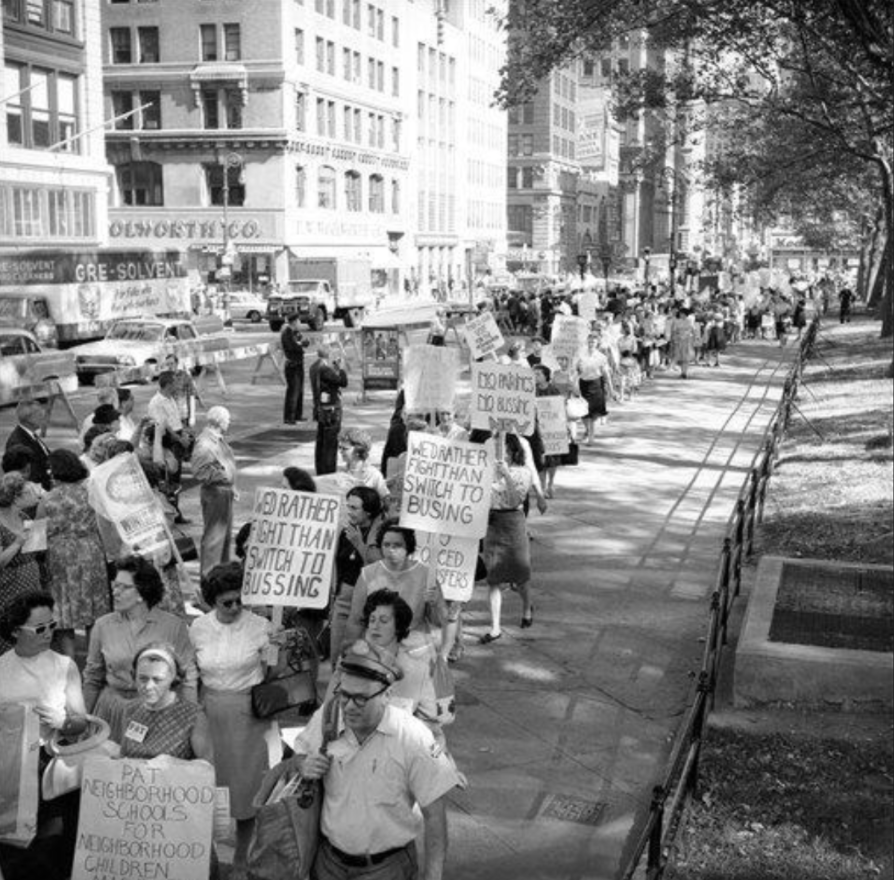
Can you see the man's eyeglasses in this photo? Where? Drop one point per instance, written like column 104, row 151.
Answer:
column 229, row 603
column 359, row 700
column 41, row 628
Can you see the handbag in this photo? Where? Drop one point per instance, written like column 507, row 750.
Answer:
column 292, row 690
column 19, row 759
column 66, row 768
column 445, row 691
column 572, row 457
column 576, row 408
column 186, row 545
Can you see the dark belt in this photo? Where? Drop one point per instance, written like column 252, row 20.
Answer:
column 352, row 861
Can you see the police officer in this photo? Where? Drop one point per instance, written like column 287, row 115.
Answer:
column 293, row 345
column 381, row 765
column 327, row 378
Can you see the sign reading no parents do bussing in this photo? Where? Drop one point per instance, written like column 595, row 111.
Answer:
column 503, row 397
column 291, row 549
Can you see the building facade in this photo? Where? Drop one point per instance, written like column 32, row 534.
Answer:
column 283, row 129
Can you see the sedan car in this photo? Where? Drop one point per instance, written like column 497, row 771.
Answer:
column 246, row 306
column 24, row 365
column 131, row 342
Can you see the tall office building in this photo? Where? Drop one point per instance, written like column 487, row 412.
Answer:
column 53, row 172
column 290, row 128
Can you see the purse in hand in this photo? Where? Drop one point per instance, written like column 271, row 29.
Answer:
column 294, row 689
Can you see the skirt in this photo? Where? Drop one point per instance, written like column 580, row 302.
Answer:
column 241, row 755
column 593, row 391
column 507, row 552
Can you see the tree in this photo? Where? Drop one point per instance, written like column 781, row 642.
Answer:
column 816, row 77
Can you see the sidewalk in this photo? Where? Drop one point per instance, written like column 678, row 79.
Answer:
column 563, row 729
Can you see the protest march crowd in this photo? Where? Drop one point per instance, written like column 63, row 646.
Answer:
column 183, row 698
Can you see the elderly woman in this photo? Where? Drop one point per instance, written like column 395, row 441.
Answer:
column 158, row 722
column 355, row 446
column 214, row 465
column 135, row 622
column 76, row 559
column 32, row 673
column 19, row 571
column 231, row 643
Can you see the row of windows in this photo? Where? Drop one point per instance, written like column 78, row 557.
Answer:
column 351, row 125
column 485, row 215
column 435, row 211
column 47, row 213
column 563, row 147
column 215, row 43
column 441, row 68
column 524, row 175
column 44, row 113
column 564, row 86
column 521, row 144
column 351, row 16
column 484, row 174
column 350, row 198
column 563, row 117
column 55, row 16
column 352, row 64
column 523, row 115
column 606, row 68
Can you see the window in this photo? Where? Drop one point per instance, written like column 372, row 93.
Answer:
column 147, row 37
column 63, row 16
column 527, row 145
column 513, row 116
column 623, row 66
column 355, row 14
column 395, row 135
column 66, row 107
column 151, row 114
column 372, row 129
column 214, row 181
column 380, row 25
column 45, row 114
column 46, row 15
column 321, row 117
column 43, row 213
column 512, row 145
column 233, row 104
column 330, row 119
column 330, row 58
column 121, row 49
column 299, row 46
column 40, row 108
column 122, row 102
column 395, row 31
column 353, row 194
column 528, row 113
column 358, row 126
column 527, row 178
column 348, row 123
column 377, row 194
column 300, row 186
column 605, row 68
column 589, row 68
column 371, row 20
column 395, row 82
column 210, row 112
column 300, row 111
column 321, row 54
column 140, row 183
column 395, row 197
column 371, row 72
column 346, row 64
column 208, row 38
column 326, row 188
column 357, row 65
column 346, row 12
column 521, row 218
column 380, row 76
column 330, row 9
column 232, row 42
column 512, row 177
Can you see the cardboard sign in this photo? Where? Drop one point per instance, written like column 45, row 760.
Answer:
column 482, row 335
column 119, row 491
column 145, row 819
column 430, row 373
column 451, row 563
column 291, row 549
column 447, row 485
column 587, row 305
column 553, row 424
column 568, row 339
column 502, row 397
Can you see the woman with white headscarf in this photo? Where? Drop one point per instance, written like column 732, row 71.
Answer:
column 214, row 465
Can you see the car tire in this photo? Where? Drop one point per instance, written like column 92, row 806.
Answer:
column 318, row 319
column 254, row 316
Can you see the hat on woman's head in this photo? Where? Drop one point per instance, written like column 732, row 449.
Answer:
column 366, row 660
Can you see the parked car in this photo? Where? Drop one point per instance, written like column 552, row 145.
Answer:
column 247, row 306
column 23, row 363
column 139, row 342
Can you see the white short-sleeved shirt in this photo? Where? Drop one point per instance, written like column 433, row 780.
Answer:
column 374, row 790
column 230, row 655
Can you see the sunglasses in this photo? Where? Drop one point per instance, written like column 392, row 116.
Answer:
column 359, row 700
column 41, row 628
column 230, row 603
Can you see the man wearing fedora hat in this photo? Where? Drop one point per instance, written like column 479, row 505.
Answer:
column 375, row 771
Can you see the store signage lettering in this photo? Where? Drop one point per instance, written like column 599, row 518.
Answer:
column 346, row 154
column 236, row 229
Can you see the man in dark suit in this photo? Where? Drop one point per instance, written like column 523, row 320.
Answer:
column 293, row 345
column 327, row 378
column 32, row 419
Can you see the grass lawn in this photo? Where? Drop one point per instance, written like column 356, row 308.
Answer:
column 814, row 804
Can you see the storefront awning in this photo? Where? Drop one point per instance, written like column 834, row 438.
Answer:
column 219, row 72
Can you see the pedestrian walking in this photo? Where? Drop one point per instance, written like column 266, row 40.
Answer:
column 327, row 378
column 293, row 345
column 214, row 465
column 845, row 299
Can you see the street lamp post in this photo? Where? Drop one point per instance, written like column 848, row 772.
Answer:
column 582, row 265
column 228, row 161
column 647, row 256
column 605, row 255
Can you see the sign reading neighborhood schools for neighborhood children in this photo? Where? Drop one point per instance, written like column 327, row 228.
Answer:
column 482, row 335
column 145, row 819
column 430, row 373
column 291, row 549
column 502, row 397
column 553, row 424
column 446, row 485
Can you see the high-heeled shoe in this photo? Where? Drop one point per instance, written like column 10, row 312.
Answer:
column 527, row 621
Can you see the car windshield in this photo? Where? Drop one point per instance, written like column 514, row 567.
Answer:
column 135, row 332
column 302, row 286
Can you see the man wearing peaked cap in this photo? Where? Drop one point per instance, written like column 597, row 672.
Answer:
column 381, row 750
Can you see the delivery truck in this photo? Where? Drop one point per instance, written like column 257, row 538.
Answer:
column 321, row 288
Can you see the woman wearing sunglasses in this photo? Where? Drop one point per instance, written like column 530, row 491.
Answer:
column 231, row 644
column 33, row 673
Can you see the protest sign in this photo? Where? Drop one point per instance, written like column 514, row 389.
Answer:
column 291, row 548
column 144, row 819
column 568, row 338
column 430, row 373
column 119, row 491
column 451, row 563
column 553, row 424
column 502, row 397
column 447, row 485
column 587, row 305
column 482, row 335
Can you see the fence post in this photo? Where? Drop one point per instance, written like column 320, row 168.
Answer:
column 654, row 867
column 707, row 688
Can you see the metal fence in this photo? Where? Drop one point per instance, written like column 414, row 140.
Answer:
column 670, row 796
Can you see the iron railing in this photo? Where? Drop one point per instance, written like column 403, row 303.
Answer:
column 670, row 796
